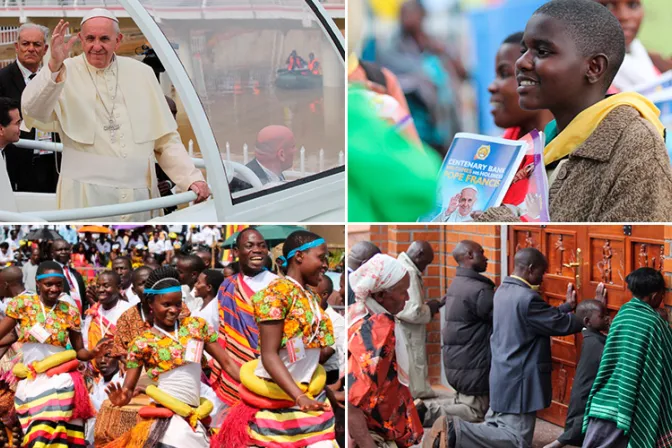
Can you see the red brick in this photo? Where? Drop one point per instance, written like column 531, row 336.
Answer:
column 434, row 359
column 433, row 349
column 434, row 338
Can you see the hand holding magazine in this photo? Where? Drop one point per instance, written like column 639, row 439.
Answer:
column 475, row 175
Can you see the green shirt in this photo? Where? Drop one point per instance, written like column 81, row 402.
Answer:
column 389, row 178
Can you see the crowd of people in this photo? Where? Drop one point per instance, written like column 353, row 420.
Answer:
column 129, row 149
column 601, row 138
column 496, row 353
column 176, row 352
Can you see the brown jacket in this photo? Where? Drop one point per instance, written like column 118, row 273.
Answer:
column 621, row 173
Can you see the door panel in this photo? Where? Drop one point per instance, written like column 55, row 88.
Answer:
column 584, row 256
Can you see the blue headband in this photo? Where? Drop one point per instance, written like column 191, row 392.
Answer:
column 310, row 245
column 164, row 290
column 53, row 274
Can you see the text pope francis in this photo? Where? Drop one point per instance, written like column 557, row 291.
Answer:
column 112, row 118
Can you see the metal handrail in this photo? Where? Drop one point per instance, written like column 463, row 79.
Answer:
column 104, row 211
column 6, row 216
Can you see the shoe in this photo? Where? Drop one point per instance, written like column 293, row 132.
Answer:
column 421, row 408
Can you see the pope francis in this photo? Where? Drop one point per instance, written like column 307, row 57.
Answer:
column 113, row 120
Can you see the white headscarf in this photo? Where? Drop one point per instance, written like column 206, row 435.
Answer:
column 380, row 273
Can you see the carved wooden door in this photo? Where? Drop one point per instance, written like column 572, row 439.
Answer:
column 585, row 256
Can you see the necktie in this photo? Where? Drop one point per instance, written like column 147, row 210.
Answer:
column 32, row 75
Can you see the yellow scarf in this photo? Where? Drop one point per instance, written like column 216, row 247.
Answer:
column 584, row 124
column 353, row 63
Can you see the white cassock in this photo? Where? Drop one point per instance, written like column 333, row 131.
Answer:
column 97, row 167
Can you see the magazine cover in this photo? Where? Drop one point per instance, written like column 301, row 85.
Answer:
column 528, row 192
column 663, row 101
column 651, row 87
column 475, row 175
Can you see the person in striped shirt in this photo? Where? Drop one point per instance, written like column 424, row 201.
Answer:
column 630, row 403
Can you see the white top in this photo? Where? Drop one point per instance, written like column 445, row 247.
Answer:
column 37, row 352
column 98, row 394
column 112, row 315
column 210, row 314
column 259, row 281
column 25, row 72
column 183, row 383
column 193, row 303
column 9, row 255
column 637, row 68
column 156, row 246
column 132, row 297
column 337, row 360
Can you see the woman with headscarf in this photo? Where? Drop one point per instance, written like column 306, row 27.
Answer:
column 380, row 405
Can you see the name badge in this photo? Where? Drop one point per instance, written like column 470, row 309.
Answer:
column 38, row 332
column 295, row 349
column 194, row 351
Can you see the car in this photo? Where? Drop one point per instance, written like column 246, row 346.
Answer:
column 223, row 61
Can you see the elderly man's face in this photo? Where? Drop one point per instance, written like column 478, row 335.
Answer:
column 30, row 47
column 467, row 200
column 286, row 154
column 100, row 40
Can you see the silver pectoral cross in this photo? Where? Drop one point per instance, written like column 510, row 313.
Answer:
column 112, row 126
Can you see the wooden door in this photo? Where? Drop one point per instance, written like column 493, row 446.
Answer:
column 585, row 256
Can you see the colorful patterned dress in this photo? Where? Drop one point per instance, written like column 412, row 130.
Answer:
column 299, row 308
column 373, row 385
column 45, row 405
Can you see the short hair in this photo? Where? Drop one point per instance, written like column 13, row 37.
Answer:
column 330, row 284
column 34, row 26
column 113, row 274
column 195, row 262
column 593, row 28
column 6, row 106
column 137, row 272
column 163, row 277
column 214, row 278
column 297, row 239
column 643, row 282
column 49, row 265
column 515, row 38
column 587, row 307
column 126, row 260
column 4, row 245
column 239, row 238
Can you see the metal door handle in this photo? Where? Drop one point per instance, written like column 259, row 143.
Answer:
column 577, row 268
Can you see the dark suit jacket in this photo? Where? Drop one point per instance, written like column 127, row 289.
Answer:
column 22, row 175
column 239, row 184
column 520, row 372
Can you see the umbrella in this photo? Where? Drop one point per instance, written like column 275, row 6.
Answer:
column 43, row 234
column 94, row 229
column 127, row 226
column 272, row 234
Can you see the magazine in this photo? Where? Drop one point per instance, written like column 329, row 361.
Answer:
column 649, row 88
column 529, row 190
column 474, row 176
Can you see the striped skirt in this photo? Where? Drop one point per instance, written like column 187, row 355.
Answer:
column 44, row 407
column 293, row 428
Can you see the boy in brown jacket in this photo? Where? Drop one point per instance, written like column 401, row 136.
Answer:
column 606, row 157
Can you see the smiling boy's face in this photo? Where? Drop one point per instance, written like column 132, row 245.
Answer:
column 551, row 71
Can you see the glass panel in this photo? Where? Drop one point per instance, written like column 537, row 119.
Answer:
column 237, row 57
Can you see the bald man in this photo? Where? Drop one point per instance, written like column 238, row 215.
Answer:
column 360, row 253
column 520, row 370
column 11, row 285
column 415, row 316
column 274, row 153
column 466, row 334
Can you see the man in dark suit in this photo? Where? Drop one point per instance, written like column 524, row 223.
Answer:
column 273, row 154
column 29, row 170
column 520, row 371
column 74, row 285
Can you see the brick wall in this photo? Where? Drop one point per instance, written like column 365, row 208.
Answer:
column 394, row 239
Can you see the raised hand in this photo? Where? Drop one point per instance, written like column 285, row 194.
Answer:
column 454, row 202
column 101, row 348
column 118, row 395
column 601, row 293
column 60, row 50
column 571, row 296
